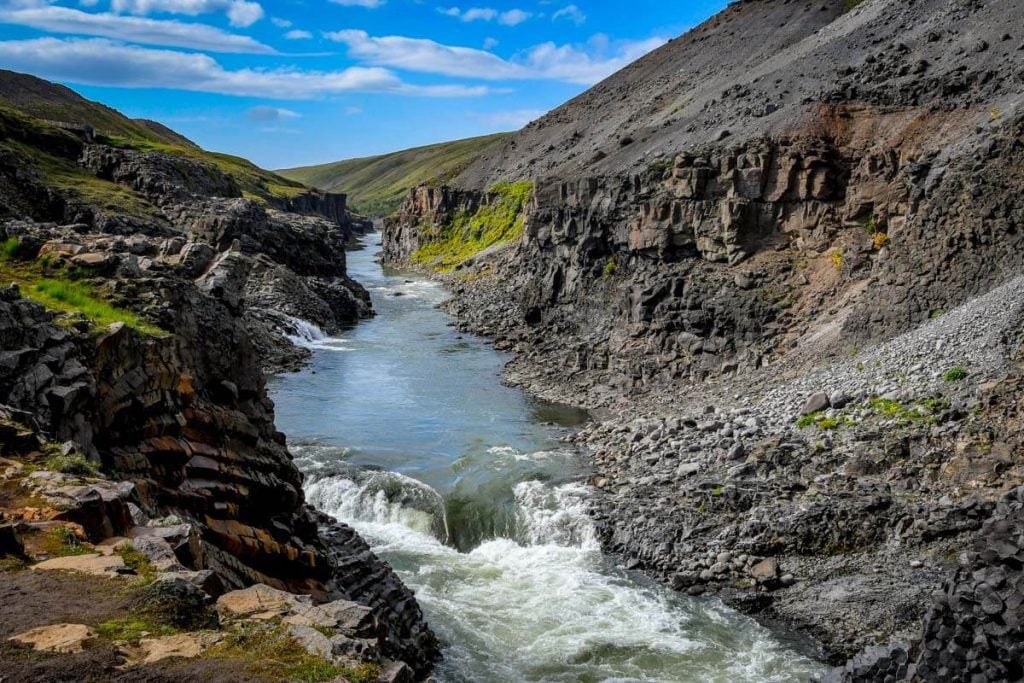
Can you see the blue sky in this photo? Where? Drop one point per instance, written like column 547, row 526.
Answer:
column 295, row 82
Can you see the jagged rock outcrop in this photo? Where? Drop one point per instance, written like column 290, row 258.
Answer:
column 161, row 178
column 189, row 425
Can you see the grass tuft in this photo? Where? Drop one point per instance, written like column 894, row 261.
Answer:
column 72, row 463
column 955, row 374
column 132, row 629
column 281, row 658
column 10, row 249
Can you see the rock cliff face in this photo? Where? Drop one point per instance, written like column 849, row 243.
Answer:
column 426, row 207
column 189, row 425
column 171, row 403
column 743, row 252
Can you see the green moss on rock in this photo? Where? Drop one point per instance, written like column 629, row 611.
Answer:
column 497, row 222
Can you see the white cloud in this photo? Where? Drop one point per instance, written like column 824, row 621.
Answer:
column 571, row 13
column 297, row 34
column 371, row 4
column 506, row 120
column 427, row 56
column 584, row 65
column 280, row 23
column 512, row 17
column 135, row 29
column 490, row 43
column 265, row 114
column 353, row 111
column 240, row 12
column 575, row 65
column 98, row 61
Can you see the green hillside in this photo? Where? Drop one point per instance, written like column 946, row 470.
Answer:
column 377, row 185
column 42, row 101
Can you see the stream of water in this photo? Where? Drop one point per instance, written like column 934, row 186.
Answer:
column 404, row 431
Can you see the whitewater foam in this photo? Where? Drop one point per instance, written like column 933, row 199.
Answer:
column 305, row 334
column 547, row 606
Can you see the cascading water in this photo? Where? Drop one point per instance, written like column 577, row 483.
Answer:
column 462, row 485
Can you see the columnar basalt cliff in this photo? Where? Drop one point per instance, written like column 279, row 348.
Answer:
column 785, row 273
column 167, row 306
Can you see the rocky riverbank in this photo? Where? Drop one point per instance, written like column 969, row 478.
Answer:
column 798, row 327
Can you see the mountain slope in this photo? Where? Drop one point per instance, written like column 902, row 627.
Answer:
column 760, row 67
column 377, row 185
column 50, row 101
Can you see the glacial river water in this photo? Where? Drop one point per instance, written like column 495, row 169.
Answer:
column 404, row 431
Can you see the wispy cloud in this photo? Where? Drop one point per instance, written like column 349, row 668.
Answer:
column 134, row 29
column 371, row 4
column 570, row 63
column 97, row 61
column 298, row 34
column 570, row 13
column 266, row 114
column 512, row 17
column 239, row 12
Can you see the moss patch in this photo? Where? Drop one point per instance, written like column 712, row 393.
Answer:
column 281, row 658
column 133, row 629
column 498, row 222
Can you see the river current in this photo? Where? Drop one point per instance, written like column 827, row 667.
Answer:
column 405, row 432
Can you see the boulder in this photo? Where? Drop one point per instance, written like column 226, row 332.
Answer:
column 815, row 403
column 10, row 542
column 312, row 641
column 180, row 645
column 259, row 601
column 396, row 672
column 765, row 570
column 158, row 552
column 63, row 638
column 91, row 563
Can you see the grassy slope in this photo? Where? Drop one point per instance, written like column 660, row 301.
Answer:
column 377, row 185
column 45, row 100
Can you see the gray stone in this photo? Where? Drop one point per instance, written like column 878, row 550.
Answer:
column 815, row 403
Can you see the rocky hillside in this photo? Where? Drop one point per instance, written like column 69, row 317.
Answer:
column 150, row 293
column 377, row 185
column 780, row 259
column 49, row 106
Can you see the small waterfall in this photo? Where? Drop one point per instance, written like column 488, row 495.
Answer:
column 381, row 498
column 302, row 332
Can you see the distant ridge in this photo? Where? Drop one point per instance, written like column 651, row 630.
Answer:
column 377, row 185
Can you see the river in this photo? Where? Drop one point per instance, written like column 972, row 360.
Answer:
column 405, row 431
